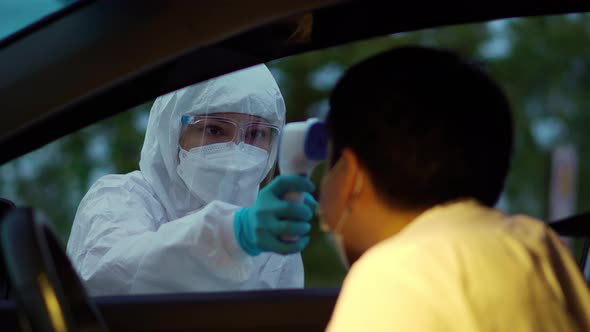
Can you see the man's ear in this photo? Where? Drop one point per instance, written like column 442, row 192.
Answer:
column 345, row 172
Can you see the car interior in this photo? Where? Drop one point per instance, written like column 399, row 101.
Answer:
column 109, row 72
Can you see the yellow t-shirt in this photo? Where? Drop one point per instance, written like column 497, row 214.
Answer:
column 465, row 267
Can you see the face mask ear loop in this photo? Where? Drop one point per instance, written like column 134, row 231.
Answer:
column 355, row 193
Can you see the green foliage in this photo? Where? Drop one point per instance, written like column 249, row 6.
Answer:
column 543, row 64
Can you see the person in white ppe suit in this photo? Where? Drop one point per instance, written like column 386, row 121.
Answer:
column 192, row 218
column 409, row 199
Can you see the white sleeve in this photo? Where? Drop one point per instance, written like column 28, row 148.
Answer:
column 292, row 275
column 118, row 248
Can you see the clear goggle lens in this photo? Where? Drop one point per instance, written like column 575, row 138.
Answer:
column 205, row 130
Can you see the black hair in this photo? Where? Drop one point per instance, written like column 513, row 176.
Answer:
column 428, row 126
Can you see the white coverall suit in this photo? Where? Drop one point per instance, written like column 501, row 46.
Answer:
column 143, row 232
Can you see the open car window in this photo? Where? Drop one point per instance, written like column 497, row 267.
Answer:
column 542, row 63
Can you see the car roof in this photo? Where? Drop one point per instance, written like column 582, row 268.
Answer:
column 95, row 59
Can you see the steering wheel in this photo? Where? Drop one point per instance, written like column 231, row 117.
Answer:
column 47, row 289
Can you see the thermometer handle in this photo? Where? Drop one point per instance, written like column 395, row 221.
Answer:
column 297, row 197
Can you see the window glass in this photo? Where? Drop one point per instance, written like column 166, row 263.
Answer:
column 16, row 15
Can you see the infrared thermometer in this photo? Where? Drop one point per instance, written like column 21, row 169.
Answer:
column 302, row 147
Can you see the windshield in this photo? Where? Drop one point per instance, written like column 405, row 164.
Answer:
column 16, row 15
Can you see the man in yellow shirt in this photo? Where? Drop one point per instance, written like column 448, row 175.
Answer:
column 410, row 195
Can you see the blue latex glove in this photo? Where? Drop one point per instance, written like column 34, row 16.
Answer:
column 259, row 227
column 311, row 203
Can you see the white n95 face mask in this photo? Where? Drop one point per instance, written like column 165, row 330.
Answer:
column 227, row 172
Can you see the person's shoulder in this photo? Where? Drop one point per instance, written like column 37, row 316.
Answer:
column 463, row 224
column 391, row 254
column 115, row 193
column 121, row 183
column 419, row 253
column 531, row 234
column 120, row 188
column 525, row 223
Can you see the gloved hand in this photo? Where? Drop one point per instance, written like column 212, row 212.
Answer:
column 259, row 227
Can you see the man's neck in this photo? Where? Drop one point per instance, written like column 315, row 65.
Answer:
column 390, row 221
column 379, row 221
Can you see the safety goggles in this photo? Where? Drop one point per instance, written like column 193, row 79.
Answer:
column 204, row 130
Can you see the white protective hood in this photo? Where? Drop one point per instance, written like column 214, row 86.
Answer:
column 250, row 91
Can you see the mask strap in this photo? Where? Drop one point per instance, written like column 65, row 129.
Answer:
column 355, row 192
